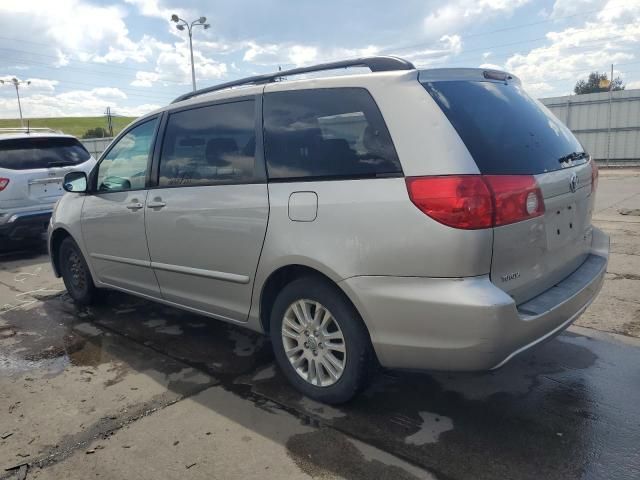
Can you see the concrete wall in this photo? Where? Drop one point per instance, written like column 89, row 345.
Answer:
column 96, row 146
column 588, row 117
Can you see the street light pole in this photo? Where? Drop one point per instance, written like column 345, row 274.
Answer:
column 16, row 83
column 193, row 70
column 189, row 26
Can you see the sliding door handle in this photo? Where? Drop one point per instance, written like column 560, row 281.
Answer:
column 156, row 204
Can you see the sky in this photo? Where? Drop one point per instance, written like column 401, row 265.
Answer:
column 82, row 56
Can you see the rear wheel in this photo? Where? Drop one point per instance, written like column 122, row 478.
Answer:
column 75, row 273
column 319, row 340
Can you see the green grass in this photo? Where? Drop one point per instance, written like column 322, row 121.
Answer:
column 76, row 126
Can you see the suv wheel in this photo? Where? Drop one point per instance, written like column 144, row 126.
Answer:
column 75, row 273
column 319, row 341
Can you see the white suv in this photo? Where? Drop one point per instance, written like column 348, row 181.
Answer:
column 32, row 166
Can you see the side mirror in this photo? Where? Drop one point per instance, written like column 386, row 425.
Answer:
column 75, row 182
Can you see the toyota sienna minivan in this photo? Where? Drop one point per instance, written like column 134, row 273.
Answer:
column 416, row 219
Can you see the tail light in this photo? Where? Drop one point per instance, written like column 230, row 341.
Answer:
column 473, row 202
column 594, row 176
column 3, row 183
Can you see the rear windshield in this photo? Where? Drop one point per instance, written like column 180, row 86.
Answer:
column 38, row 152
column 505, row 130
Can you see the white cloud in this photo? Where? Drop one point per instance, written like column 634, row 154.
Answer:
column 634, row 84
column 574, row 52
column 91, row 102
column 456, row 15
column 439, row 52
column 74, row 28
column 563, row 8
column 173, row 65
column 152, row 8
column 35, row 84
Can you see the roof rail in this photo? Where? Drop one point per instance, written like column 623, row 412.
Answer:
column 375, row 64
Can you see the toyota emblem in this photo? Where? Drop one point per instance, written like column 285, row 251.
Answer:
column 573, row 182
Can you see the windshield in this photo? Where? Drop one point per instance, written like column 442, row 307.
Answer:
column 41, row 152
column 505, row 130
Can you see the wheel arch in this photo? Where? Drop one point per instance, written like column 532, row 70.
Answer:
column 286, row 274
column 56, row 238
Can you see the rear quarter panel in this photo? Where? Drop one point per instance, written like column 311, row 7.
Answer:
column 366, row 227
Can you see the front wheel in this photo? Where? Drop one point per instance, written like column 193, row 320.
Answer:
column 320, row 341
column 75, row 273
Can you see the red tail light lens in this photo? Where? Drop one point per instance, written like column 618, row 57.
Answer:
column 3, row 183
column 516, row 198
column 594, row 176
column 473, row 202
column 457, row 201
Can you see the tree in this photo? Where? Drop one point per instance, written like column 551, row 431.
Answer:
column 97, row 132
column 592, row 84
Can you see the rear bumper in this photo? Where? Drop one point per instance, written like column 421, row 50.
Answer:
column 25, row 224
column 468, row 323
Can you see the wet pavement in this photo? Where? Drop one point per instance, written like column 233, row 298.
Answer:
column 133, row 389
column 567, row 410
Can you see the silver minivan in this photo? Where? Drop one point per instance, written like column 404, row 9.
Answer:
column 416, row 219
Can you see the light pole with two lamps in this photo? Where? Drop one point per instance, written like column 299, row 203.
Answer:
column 182, row 24
column 16, row 83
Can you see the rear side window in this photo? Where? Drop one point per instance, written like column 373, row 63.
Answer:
column 326, row 133
column 41, row 152
column 210, row 145
column 505, row 130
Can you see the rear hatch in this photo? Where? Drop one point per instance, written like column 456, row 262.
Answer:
column 509, row 133
column 33, row 168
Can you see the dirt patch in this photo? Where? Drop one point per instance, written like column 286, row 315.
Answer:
column 630, row 211
column 6, row 332
column 625, row 276
column 632, row 328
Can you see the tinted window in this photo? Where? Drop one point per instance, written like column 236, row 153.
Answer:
column 209, row 145
column 125, row 166
column 505, row 130
column 326, row 133
column 39, row 152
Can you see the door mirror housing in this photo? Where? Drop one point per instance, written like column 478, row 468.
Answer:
column 75, row 182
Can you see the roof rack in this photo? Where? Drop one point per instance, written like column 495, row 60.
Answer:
column 375, row 64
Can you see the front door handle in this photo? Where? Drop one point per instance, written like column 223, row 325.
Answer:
column 156, row 204
column 134, row 206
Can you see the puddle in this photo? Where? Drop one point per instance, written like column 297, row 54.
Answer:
column 170, row 330
column 245, row 343
column 326, row 450
column 432, row 426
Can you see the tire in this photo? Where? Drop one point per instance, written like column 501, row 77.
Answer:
column 76, row 274
column 312, row 374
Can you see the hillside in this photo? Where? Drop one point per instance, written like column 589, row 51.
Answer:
column 76, row 126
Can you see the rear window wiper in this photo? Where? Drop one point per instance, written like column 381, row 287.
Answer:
column 572, row 157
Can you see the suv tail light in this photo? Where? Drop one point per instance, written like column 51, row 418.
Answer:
column 473, row 202
column 3, row 183
column 594, row 175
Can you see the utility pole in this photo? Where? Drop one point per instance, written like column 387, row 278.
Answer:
column 109, row 121
column 609, row 125
column 16, row 83
column 181, row 26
